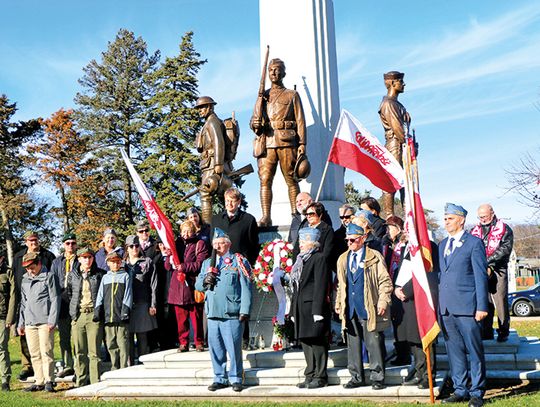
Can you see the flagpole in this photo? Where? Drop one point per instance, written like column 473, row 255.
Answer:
column 327, row 159
column 430, row 377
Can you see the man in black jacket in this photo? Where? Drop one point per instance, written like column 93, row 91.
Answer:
column 242, row 229
column 31, row 240
column 498, row 240
column 62, row 267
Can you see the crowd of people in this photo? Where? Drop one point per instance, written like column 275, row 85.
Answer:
column 130, row 301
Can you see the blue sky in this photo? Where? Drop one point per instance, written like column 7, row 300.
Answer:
column 471, row 70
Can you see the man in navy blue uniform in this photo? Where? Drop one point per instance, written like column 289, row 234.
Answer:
column 463, row 304
column 228, row 301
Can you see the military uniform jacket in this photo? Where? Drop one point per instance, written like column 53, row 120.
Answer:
column 210, row 143
column 393, row 115
column 285, row 121
column 231, row 296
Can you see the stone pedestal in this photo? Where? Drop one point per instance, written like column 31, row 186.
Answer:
column 301, row 33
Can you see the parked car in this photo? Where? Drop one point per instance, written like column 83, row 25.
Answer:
column 525, row 303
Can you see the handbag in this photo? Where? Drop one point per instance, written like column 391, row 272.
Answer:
column 199, row 296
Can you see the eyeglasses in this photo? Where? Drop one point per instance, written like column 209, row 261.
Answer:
column 70, row 243
column 352, row 240
column 345, row 217
column 311, row 214
column 131, row 246
column 143, row 231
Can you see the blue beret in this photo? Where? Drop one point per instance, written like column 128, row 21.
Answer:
column 309, row 234
column 367, row 215
column 453, row 209
column 220, row 233
column 355, row 230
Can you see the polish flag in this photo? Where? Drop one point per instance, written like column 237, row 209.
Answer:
column 155, row 216
column 355, row 148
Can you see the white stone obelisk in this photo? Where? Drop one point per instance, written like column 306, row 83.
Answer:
column 301, row 33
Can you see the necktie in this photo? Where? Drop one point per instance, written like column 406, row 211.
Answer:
column 353, row 263
column 450, row 246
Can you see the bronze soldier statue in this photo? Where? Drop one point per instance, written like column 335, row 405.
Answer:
column 396, row 121
column 279, row 123
column 215, row 161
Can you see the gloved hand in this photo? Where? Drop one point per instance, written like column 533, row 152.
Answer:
column 210, row 280
column 243, row 317
column 317, row 318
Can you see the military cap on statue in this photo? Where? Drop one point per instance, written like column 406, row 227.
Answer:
column 355, row 230
column 309, row 234
column 453, row 209
column 219, row 233
column 394, row 75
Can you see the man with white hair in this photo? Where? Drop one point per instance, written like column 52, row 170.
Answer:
column 227, row 286
column 498, row 240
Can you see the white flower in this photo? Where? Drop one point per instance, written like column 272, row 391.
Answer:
column 361, row 265
column 267, row 258
column 289, row 262
column 265, row 288
column 283, row 253
column 290, row 246
column 281, row 244
column 459, row 243
column 269, row 280
column 262, row 276
column 270, row 247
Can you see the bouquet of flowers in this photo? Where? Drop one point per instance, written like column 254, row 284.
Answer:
column 283, row 334
column 274, row 254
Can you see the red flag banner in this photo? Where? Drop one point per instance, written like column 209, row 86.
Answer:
column 155, row 216
column 420, row 262
column 355, row 148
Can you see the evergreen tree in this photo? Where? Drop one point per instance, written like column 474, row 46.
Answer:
column 18, row 208
column 171, row 168
column 114, row 112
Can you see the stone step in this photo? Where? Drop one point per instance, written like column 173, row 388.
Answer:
column 287, row 376
column 107, row 390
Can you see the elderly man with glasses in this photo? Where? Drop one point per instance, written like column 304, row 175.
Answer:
column 363, row 305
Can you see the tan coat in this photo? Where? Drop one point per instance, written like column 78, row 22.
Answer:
column 377, row 289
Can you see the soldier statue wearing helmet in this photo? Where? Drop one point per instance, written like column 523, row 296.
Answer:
column 215, row 161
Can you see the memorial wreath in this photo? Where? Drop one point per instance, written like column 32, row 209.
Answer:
column 263, row 273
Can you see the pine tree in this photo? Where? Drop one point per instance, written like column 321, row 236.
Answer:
column 171, row 169
column 113, row 111
column 18, row 209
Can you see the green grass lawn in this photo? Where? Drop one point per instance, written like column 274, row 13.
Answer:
column 499, row 395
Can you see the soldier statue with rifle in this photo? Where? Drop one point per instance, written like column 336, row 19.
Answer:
column 279, row 124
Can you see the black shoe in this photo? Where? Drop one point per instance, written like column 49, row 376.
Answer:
column 476, row 402
column 317, row 383
column 49, row 387
column 502, row 338
column 353, row 385
column 68, row 371
column 424, row 384
column 217, row 386
column 35, row 387
column 378, row 385
column 454, row 398
column 412, row 382
column 237, row 387
column 245, row 345
column 25, row 374
column 5, row 386
column 304, row 384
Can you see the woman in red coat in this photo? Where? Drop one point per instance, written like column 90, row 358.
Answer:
column 192, row 251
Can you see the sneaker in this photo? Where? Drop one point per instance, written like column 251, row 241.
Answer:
column 49, row 387
column 25, row 374
column 5, row 386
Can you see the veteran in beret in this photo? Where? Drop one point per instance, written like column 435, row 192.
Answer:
column 463, row 304
column 227, row 288
column 363, row 305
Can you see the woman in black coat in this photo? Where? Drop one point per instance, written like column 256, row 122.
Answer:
column 310, row 307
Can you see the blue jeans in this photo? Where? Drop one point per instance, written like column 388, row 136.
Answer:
column 225, row 337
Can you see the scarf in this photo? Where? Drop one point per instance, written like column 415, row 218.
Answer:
column 298, row 266
column 494, row 237
column 394, row 260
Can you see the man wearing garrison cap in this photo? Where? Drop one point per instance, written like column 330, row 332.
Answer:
column 363, row 305
column 463, row 303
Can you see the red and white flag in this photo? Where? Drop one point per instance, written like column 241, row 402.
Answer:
column 155, row 216
column 420, row 262
column 355, row 148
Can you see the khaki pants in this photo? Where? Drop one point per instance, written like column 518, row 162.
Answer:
column 117, row 340
column 87, row 337
column 5, row 363
column 41, row 345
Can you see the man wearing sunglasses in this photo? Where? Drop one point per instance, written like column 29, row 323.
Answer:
column 346, row 212
column 147, row 242
column 61, row 267
column 363, row 305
